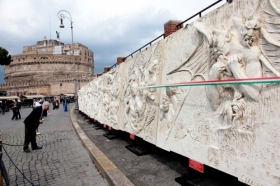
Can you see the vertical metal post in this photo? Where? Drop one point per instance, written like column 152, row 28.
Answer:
column 75, row 68
column 1, row 179
column 79, row 77
column 62, row 16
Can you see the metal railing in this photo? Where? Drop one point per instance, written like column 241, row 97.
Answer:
column 1, row 178
column 114, row 66
column 180, row 25
column 139, row 50
column 199, row 13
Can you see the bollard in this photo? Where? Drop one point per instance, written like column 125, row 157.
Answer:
column 65, row 107
column 1, row 179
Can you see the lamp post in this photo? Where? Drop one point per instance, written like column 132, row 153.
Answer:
column 61, row 16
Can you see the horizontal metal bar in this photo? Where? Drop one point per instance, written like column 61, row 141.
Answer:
column 113, row 66
column 199, row 13
column 150, row 43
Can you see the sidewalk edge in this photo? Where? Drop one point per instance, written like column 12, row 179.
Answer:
column 106, row 167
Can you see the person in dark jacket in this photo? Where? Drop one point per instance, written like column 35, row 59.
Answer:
column 4, row 105
column 32, row 122
column 15, row 111
column 18, row 109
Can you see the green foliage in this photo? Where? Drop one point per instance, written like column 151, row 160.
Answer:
column 5, row 58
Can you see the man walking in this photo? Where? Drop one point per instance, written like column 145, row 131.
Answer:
column 32, row 122
column 4, row 104
column 18, row 109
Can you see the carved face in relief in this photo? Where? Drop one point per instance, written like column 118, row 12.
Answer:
column 250, row 32
column 220, row 45
column 153, row 65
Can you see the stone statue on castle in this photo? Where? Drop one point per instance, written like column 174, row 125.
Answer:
column 57, row 36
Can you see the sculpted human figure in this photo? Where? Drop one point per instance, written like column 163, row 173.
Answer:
column 57, row 35
column 130, row 104
column 150, row 74
column 169, row 105
column 240, row 46
column 114, row 102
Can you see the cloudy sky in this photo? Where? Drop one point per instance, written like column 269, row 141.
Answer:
column 110, row 28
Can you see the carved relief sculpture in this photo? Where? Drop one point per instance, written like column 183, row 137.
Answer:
column 231, row 127
column 229, row 124
column 139, row 108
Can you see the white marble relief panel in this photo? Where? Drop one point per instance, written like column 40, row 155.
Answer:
column 139, row 106
column 111, row 99
column 231, row 127
column 89, row 99
column 81, row 98
column 178, row 69
column 96, row 99
column 104, row 98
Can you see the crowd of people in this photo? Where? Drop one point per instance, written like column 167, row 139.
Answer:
column 15, row 107
column 3, row 106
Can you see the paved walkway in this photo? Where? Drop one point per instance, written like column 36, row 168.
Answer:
column 62, row 161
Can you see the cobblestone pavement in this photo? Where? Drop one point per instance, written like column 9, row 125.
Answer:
column 62, row 161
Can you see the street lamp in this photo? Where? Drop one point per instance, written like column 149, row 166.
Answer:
column 61, row 16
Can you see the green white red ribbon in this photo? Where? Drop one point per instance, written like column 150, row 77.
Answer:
column 266, row 80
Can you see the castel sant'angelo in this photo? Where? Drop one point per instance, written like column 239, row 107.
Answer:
column 47, row 68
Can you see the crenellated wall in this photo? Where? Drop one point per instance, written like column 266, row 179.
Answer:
column 232, row 128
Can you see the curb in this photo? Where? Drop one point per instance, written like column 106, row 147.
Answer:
column 106, row 167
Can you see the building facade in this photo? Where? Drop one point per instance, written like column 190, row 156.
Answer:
column 48, row 68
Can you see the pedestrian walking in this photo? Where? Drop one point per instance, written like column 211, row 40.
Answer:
column 15, row 111
column 18, row 109
column 32, row 122
column 55, row 103
column 3, row 106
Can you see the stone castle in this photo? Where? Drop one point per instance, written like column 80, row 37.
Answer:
column 47, row 68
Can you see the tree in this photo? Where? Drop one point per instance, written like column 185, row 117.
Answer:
column 5, row 58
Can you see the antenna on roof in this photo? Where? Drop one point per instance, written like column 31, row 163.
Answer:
column 50, row 26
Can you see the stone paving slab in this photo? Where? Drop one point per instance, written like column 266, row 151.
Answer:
column 63, row 159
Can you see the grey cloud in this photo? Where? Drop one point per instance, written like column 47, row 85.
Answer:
column 114, row 37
